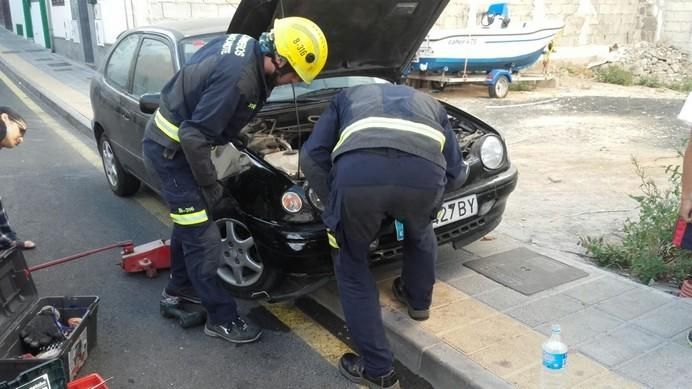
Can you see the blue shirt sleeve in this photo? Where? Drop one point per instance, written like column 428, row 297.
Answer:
column 316, row 153
column 457, row 170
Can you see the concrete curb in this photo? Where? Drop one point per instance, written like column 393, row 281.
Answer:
column 421, row 352
column 76, row 119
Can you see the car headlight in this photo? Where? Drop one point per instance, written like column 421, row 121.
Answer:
column 291, row 202
column 314, row 200
column 492, row 152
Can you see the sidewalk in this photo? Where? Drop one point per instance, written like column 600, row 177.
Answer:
column 481, row 333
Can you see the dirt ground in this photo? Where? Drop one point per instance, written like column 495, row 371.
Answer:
column 573, row 146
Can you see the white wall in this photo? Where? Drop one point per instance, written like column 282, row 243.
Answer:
column 37, row 22
column 677, row 25
column 114, row 18
column 17, row 15
column 60, row 18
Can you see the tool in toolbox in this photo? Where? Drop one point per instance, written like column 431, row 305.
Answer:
column 149, row 257
column 187, row 316
column 20, row 306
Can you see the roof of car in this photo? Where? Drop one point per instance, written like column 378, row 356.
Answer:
column 185, row 28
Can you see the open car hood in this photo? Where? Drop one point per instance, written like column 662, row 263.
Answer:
column 365, row 37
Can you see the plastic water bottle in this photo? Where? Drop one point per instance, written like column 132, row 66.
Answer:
column 554, row 364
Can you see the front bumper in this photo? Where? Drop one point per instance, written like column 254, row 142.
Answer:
column 304, row 250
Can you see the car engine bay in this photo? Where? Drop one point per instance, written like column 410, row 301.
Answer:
column 279, row 144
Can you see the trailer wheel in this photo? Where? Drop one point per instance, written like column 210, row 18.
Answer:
column 439, row 85
column 500, row 89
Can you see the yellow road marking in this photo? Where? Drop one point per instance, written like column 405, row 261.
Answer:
column 317, row 337
column 314, row 335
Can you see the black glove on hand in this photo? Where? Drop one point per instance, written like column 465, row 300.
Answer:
column 241, row 140
column 41, row 331
column 212, row 194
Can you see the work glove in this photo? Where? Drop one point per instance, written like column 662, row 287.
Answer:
column 212, row 194
column 241, row 140
column 42, row 330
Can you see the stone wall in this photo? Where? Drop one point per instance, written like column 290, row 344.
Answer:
column 598, row 22
column 160, row 10
column 677, row 24
column 587, row 22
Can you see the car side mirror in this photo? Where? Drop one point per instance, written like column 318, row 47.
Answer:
column 149, row 102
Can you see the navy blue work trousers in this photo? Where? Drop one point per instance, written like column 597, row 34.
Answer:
column 366, row 189
column 196, row 250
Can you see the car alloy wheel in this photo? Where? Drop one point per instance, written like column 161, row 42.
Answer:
column 120, row 181
column 241, row 266
column 109, row 163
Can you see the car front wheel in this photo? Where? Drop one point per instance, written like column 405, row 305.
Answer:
column 121, row 182
column 241, row 267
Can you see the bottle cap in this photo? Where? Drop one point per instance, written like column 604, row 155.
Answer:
column 556, row 328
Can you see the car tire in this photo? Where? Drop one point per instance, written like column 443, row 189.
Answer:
column 241, row 268
column 121, row 182
column 500, row 88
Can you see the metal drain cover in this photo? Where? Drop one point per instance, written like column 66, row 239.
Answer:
column 525, row 271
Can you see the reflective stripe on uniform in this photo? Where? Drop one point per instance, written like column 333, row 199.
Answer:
column 168, row 128
column 392, row 124
column 188, row 219
column 332, row 240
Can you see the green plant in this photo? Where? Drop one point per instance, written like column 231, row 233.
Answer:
column 646, row 249
column 650, row 81
column 522, row 86
column 614, row 74
column 684, row 85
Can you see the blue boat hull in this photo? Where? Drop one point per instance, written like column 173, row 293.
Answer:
column 456, row 65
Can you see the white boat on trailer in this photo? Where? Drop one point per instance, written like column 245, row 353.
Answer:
column 496, row 49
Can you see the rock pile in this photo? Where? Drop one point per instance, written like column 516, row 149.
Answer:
column 654, row 60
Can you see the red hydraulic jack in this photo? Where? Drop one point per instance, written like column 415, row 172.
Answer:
column 148, row 257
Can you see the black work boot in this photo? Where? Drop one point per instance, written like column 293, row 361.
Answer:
column 186, row 293
column 236, row 331
column 400, row 294
column 351, row 366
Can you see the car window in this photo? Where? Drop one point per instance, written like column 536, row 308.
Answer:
column 189, row 46
column 154, row 67
column 118, row 67
column 285, row 92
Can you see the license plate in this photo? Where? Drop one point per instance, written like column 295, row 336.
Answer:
column 455, row 210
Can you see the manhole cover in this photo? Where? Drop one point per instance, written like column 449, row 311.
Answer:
column 525, row 271
column 58, row 64
column 34, row 50
column 10, row 51
column 43, row 59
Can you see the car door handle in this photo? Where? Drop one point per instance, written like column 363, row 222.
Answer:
column 126, row 115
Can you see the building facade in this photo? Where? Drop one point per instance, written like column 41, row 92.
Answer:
column 84, row 30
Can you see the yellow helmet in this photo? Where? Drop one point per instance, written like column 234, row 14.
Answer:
column 303, row 44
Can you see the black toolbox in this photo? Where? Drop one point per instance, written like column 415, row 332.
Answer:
column 47, row 375
column 19, row 303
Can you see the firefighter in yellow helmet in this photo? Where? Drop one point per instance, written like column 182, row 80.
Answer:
column 213, row 96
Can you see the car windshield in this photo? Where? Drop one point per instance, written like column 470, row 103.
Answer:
column 189, row 46
column 319, row 88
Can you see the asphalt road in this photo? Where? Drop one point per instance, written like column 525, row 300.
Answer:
column 60, row 200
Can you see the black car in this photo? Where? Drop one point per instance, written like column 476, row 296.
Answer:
column 276, row 229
